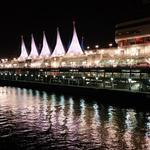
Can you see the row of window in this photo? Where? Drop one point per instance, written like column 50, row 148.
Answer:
column 134, row 41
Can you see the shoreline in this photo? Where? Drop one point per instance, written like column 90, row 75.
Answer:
column 108, row 96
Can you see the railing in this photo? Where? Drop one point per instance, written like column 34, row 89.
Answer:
column 138, row 83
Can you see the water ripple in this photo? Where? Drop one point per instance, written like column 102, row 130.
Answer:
column 38, row 120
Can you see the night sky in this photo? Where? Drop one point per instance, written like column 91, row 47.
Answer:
column 95, row 21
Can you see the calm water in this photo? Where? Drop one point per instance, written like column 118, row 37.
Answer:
column 37, row 120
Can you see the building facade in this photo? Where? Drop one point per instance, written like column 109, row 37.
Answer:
column 132, row 38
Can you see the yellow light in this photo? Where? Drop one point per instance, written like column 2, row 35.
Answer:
column 96, row 46
column 46, row 64
column 88, row 47
column 110, row 44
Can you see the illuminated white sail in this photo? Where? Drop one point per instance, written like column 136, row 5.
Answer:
column 24, row 53
column 45, row 52
column 75, row 48
column 34, row 52
column 59, row 48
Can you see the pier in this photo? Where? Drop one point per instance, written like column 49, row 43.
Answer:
column 125, row 68
column 123, row 81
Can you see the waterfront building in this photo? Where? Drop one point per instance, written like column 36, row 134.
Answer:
column 132, row 38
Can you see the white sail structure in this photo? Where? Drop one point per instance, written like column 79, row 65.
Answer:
column 74, row 48
column 34, row 53
column 45, row 52
column 59, row 48
column 24, row 54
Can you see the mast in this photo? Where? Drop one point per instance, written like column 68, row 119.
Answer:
column 59, row 48
column 34, row 52
column 24, row 54
column 45, row 52
column 75, row 48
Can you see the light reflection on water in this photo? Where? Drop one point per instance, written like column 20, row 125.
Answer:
column 31, row 119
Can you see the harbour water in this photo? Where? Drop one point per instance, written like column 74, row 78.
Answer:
column 31, row 119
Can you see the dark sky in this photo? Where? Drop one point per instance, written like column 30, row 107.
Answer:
column 95, row 21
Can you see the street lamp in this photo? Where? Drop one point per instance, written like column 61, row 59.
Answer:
column 110, row 44
column 96, row 78
column 111, row 79
column 96, row 46
column 88, row 47
column 129, row 80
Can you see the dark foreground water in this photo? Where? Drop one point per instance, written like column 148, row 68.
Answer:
column 37, row 120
